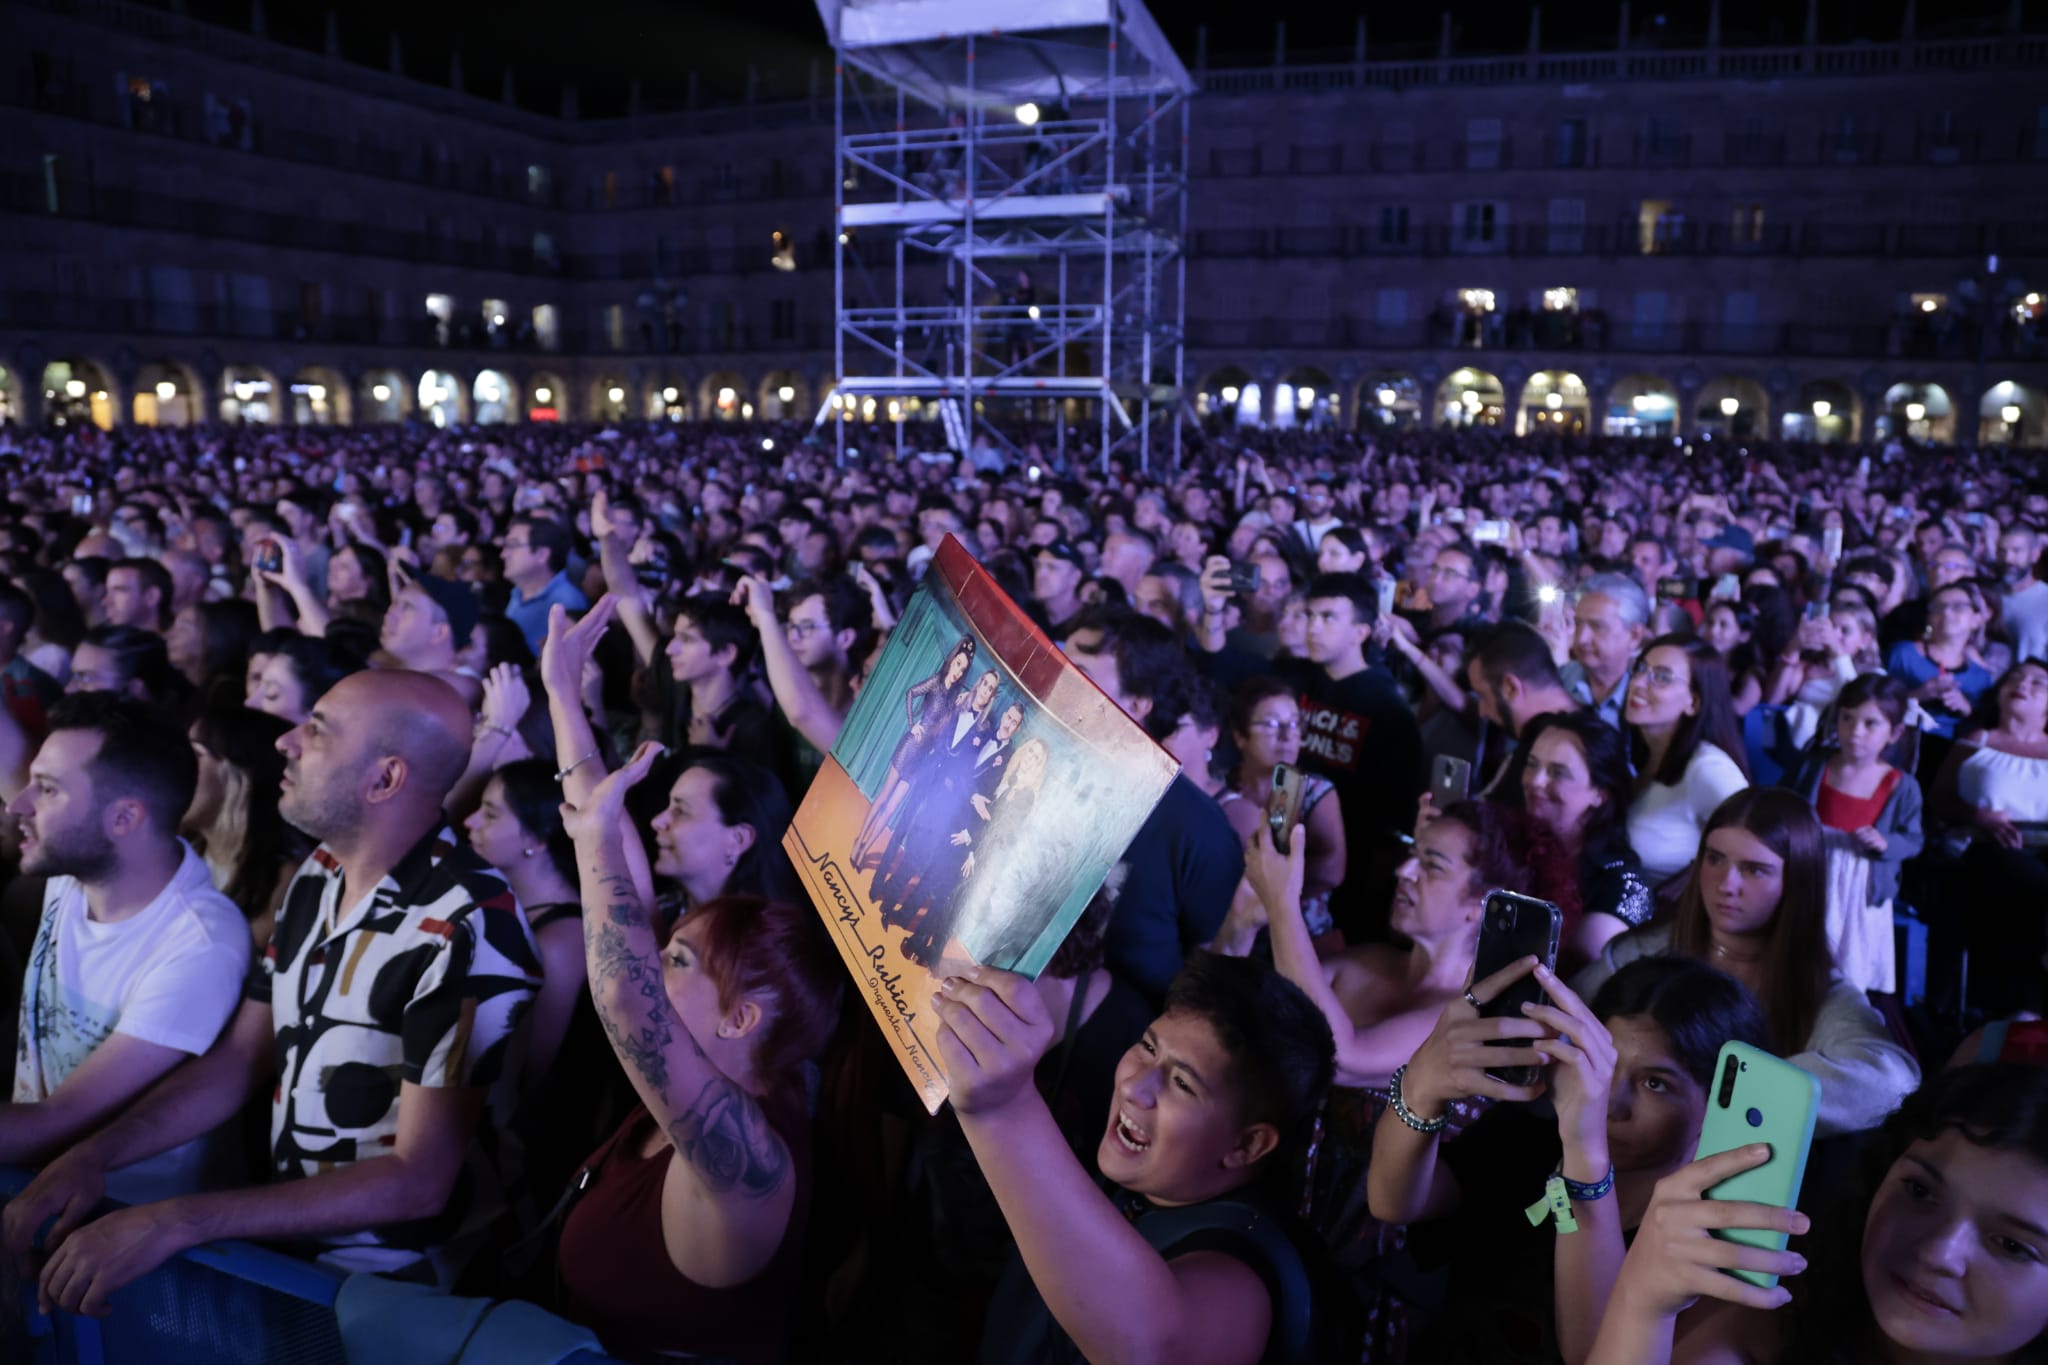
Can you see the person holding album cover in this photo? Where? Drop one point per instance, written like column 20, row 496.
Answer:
column 924, row 705
column 1187, row 1252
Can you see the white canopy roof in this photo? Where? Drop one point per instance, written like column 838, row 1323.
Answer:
column 1042, row 50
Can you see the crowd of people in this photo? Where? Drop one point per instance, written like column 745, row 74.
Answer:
column 394, row 875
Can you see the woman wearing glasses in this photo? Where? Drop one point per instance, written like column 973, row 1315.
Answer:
column 1686, row 747
column 1265, row 718
column 1943, row 667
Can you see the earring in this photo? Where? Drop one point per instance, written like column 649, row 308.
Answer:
column 725, row 1030
column 526, row 853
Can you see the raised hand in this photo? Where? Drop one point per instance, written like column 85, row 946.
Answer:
column 994, row 1028
column 1676, row 1259
column 605, row 808
column 1452, row 1062
column 568, row 646
column 506, row 698
column 1583, row 1057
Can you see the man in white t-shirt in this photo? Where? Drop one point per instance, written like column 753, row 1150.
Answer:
column 2026, row 595
column 138, row 961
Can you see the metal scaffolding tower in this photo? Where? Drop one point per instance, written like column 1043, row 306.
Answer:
column 1010, row 202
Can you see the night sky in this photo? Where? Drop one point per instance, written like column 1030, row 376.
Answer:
column 603, row 44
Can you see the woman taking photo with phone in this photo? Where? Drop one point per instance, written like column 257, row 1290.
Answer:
column 1265, row 719
column 1755, row 907
column 1938, row 1256
column 1628, row 1079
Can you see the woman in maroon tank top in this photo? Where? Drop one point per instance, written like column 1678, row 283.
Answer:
column 688, row 1237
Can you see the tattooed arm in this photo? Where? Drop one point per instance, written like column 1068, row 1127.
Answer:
column 731, row 1191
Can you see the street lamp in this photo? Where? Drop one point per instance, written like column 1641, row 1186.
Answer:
column 1915, row 411
column 1822, row 407
column 1553, row 400
column 1730, row 406
column 1230, row 393
column 1027, row 114
column 74, row 388
column 165, row 390
column 2010, row 414
column 382, row 392
column 668, row 395
column 1388, row 397
column 543, row 394
column 787, row 393
column 616, row 394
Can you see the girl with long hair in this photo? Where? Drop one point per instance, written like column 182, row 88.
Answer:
column 1755, row 906
column 233, row 819
column 1686, row 746
column 1935, row 1254
column 1575, row 798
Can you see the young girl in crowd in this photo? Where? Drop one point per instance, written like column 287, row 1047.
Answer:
column 1627, row 1080
column 1729, row 626
column 1755, row 906
column 1265, row 720
column 1686, row 747
column 1871, row 811
column 1937, row 1255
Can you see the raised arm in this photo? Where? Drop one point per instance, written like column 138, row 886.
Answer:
column 1365, row 1057
column 615, row 559
column 1119, row 1299
column 562, row 656
column 739, row 1172
column 796, row 691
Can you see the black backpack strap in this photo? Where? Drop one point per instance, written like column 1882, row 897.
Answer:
column 1255, row 1237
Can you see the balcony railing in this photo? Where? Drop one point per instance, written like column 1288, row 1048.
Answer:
column 1965, row 241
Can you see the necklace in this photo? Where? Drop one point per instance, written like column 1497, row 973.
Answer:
column 1721, row 950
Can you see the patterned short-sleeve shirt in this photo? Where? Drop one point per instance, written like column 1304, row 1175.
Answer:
column 428, row 979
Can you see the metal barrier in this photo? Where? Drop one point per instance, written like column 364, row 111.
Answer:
column 225, row 1303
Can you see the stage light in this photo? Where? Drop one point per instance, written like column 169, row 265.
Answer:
column 1033, row 312
column 1822, row 407
column 165, row 391
column 382, row 393
column 1027, row 114
column 616, row 394
column 1730, row 406
column 2010, row 414
column 1915, row 411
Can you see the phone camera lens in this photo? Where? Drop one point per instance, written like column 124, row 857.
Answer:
column 1755, row 1117
column 1727, row 1083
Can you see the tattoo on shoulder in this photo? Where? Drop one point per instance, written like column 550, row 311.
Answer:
column 726, row 1136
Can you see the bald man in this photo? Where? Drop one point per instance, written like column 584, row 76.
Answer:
column 384, row 1021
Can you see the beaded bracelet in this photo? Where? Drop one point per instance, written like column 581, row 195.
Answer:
column 1401, row 1111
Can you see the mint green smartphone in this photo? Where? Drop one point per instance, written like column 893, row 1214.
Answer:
column 1758, row 1098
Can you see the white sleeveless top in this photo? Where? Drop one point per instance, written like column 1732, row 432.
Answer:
column 2013, row 783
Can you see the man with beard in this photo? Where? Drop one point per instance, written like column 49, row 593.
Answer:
column 383, row 1021
column 138, row 961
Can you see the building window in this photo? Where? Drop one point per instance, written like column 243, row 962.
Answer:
column 615, row 326
column 1567, row 225
column 1392, row 308
column 1478, row 224
column 1665, row 142
column 53, row 166
column 544, row 251
column 1482, row 144
column 1658, row 226
column 723, row 179
column 782, row 320
column 1569, row 148
column 1746, row 224
column 538, row 183
column 611, row 189
column 547, row 327
column 664, row 185
column 1393, row 225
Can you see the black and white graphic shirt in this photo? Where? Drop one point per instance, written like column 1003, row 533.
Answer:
column 429, row 979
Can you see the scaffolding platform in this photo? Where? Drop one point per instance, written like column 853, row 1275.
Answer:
column 1010, row 202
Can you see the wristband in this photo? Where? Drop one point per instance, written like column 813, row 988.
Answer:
column 483, row 729
column 563, row 775
column 1402, row 1112
column 1582, row 1193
